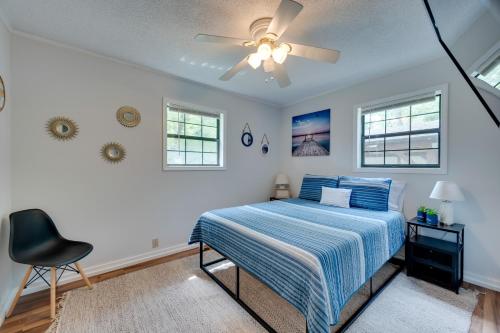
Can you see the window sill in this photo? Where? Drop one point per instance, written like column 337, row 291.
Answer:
column 435, row 171
column 194, row 168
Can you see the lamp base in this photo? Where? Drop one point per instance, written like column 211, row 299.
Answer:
column 446, row 212
column 282, row 194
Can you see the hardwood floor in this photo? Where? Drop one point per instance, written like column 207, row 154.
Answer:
column 32, row 313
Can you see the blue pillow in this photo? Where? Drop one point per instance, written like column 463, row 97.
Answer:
column 369, row 193
column 311, row 186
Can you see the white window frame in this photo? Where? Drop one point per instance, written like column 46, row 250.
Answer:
column 443, row 144
column 222, row 134
column 480, row 64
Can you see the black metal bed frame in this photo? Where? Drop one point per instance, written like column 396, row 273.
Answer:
column 236, row 295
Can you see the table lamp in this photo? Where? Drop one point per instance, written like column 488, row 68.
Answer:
column 281, row 187
column 447, row 192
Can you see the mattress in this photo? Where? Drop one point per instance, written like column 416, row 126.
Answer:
column 314, row 256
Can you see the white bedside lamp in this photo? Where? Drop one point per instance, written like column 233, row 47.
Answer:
column 281, row 187
column 447, row 192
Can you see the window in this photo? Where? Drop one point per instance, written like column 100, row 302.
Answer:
column 193, row 138
column 491, row 74
column 485, row 71
column 404, row 132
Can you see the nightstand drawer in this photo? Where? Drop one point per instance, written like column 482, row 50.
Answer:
column 432, row 256
column 432, row 274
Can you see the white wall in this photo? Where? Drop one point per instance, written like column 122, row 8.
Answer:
column 5, row 161
column 473, row 157
column 121, row 208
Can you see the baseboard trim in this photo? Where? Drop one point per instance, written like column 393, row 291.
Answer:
column 113, row 265
column 482, row 281
column 6, row 305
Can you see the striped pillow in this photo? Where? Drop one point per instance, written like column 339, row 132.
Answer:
column 369, row 193
column 311, row 186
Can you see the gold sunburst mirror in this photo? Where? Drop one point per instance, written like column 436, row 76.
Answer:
column 128, row 116
column 2, row 94
column 113, row 152
column 62, row 128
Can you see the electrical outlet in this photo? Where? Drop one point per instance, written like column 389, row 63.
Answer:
column 155, row 243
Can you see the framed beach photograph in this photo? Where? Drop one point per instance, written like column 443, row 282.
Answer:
column 311, row 134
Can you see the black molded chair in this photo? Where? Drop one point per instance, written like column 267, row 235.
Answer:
column 35, row 241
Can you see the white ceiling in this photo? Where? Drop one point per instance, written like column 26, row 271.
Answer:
column 375, row 37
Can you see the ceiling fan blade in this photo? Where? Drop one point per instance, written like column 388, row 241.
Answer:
column 234, row 70
column 223, row 40
column 281, row 75
column 314, row 53
column 284, row 15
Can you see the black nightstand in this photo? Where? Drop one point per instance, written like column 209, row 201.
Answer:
column 435, row 260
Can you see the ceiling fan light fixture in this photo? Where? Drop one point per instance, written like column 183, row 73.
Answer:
column 264, row 51
column 268, row 65
column 254, row 60
column 280, row 53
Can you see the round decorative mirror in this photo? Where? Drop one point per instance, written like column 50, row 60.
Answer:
column 113, row 152
column 2, row 94
column 62, row 128
column 247, row 139
column 264, row 144
column 246, row 136
column 128, row 116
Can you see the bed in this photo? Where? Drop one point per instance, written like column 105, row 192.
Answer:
column 314, row 256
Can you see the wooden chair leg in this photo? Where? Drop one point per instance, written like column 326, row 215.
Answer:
column 20, row 291
column 53, row 285
column 84, row 277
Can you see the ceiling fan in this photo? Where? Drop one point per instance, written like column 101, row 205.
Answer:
column 270, row 52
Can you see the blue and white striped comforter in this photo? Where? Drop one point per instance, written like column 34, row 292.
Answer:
column 314, row 256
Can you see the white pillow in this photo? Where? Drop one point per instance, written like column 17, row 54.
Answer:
column 339, row 197
column 397, row 195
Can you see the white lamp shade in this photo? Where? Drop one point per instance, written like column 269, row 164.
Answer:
column 281, row 179
column 449, row 191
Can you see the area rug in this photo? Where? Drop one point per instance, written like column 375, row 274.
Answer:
column 178, row 297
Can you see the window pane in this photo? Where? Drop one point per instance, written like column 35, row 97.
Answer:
column 210, row 146
column 210, row 132
column 419, row 141
column 174, row 127
column 176, row 144
column 193, row 130
column 375, row 116
column 425, row 107
column 175, row 116
column 398, row 112
column 374, row 158
column 193, row 119
column 396, row 157
column 375, row 128
column 209, row 121
column 194, row 145
column 491, row 74
column 397, row 143
column 175, row 157
column 426, row 121
column 172, row 115
column 193, row 158
column 398, row 125
column 430, row 156
column 374, row 144
column 210, row 158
